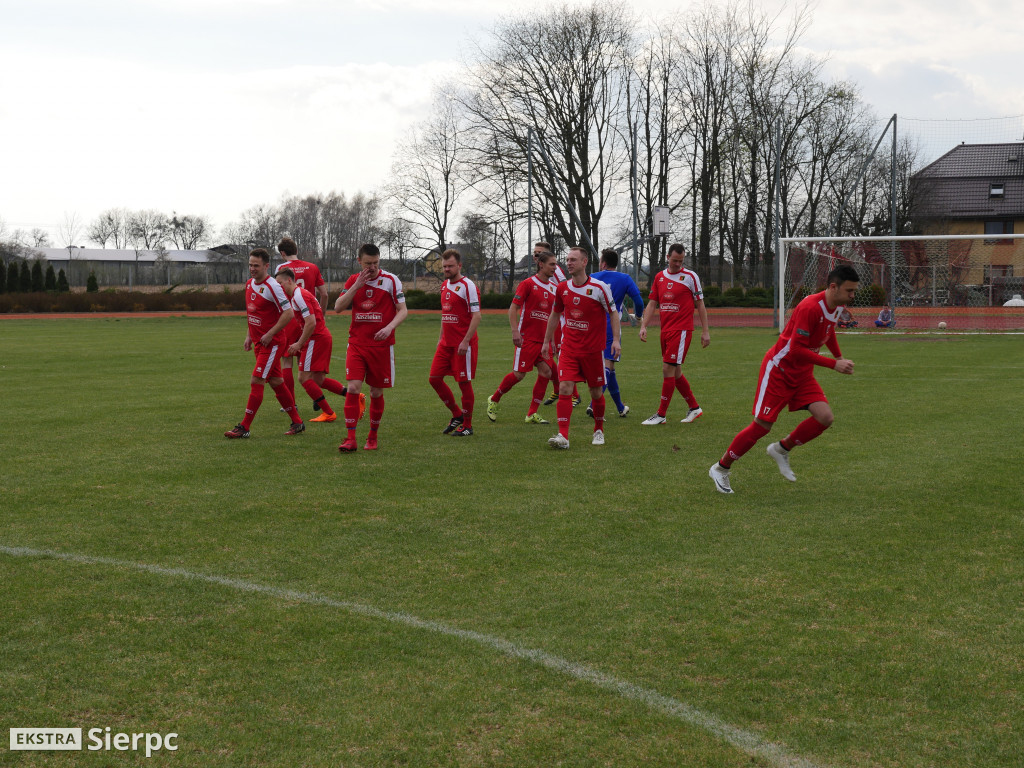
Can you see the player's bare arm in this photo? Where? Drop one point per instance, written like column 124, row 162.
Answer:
column 649, row 310
column 247, row 344
column 474, row 323
column 513, row 320
column 549, row 334
column 844, row 365
column 308, row 326
column 286, row 317
column 400, row 314
column 702, row 314
column 321, row 294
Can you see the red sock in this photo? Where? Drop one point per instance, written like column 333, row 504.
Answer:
column 805, row 431
column 376, row 412
column 255, row 398
column 446, row 395
column 333, row 385
column 287, row 401
column 684, row 389
column 317, row 395
column 564, row 411
column 742, row 443
column 351, row 413
column 507, row 383
column 468, row 399
column 540, row 386
column 554, row 375
column 289, row 381
column 668, row 386
column 598, row 413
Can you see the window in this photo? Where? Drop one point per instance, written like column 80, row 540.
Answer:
column 998, row 228
column 996, row 189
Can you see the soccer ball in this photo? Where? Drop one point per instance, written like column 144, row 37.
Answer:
column 942, row 326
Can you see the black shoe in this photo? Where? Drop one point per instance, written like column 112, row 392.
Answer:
column 237, row 432
column 551, row 400
column 296, row 428
column 590, row 411
column 462, row 432
column 454, row 424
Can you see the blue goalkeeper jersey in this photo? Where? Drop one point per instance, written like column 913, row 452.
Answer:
column 622, row 285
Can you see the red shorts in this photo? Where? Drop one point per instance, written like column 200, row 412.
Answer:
column 776, row 390
column 588, row 367
column 374, row 365
column 448, row 362
column 528, row 356
column 316, row 355
column 268, row 359
column 674, row 346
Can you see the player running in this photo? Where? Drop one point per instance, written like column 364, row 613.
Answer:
column 622, row 285
column 584, row 303
column 787, row 377
column 528, row 315
column 268, row 313
column 307, row 275
column 457, row 347
column 313, row 345
column 675, row 293
column 378, row 308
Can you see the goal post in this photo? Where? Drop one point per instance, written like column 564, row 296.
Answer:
column 960, row 280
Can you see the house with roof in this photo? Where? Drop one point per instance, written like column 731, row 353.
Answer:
column 977, row 189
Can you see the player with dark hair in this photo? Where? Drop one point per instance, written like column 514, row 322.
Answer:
column 675, row 294
column 378, row 308
column 456, row 353
column 585, row 304
column 268, row 313
column 313, row 346
column 307, row 275
column 622, row 285
column 528, row 315
column 787, row 377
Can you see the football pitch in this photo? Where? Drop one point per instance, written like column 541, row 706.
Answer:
column 489, row 601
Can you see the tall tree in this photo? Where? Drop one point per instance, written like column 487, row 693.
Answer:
column 561, row 73
column 428, row 175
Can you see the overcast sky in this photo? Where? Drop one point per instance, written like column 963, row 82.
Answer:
column 213, row 106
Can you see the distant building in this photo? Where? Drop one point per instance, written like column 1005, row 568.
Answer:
column 130, row 267
column 977, row 189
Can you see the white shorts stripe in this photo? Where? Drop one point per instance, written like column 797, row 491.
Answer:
column 270, row 362
column 392, row 353
column 682, row 346
column 308, row 361
column 469, row 364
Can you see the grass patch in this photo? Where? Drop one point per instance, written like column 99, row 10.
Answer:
column 867, row 615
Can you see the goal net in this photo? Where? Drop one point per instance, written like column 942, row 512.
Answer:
column 964, row 281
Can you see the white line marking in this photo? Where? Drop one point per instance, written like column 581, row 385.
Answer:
column 745, row 741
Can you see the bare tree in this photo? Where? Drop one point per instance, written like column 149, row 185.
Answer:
column 563, row 74
column 69, row 229
column 147, row 229
column 111, row 226
column 188, row 232
column 427, row 176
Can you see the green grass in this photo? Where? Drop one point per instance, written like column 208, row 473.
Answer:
column 868, row 615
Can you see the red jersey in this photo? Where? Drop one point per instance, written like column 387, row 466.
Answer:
column 375, row 307
column 810, row 326
column 677, row 295
column 535, row 298
column 305, row 304
column 585, row 309
column 307, row 274
column 459, row 300
column 264, row 304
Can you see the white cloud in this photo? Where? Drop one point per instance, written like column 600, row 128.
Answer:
column 199, row 143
